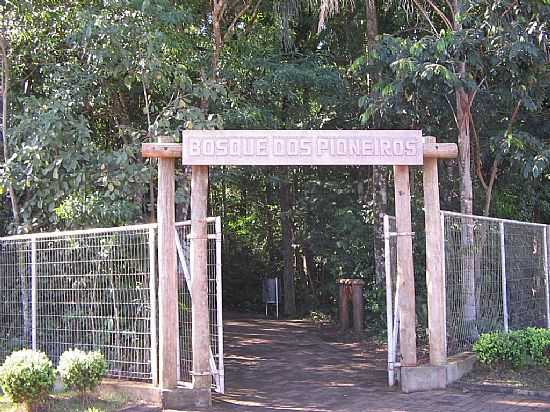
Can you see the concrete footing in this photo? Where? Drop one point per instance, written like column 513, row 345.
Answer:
column 423, row 378
column 429, row 377
column 183, row 398
column 180, row 398
column 459, row 365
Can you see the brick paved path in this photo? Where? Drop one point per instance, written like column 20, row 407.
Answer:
column 283, row 366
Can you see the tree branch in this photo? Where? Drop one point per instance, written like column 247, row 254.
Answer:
column 441, row 14
column 426, row 15
column 489, row 190
column 477, row 155
column 452, row 110
column 146, row 104
column 231, row 29
column 494, row 167
column 254, row 16
column 513, row 117
column 450, row 5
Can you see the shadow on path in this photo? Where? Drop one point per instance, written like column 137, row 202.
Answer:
column 281, row 366
column 276, row 366
column 285, row 365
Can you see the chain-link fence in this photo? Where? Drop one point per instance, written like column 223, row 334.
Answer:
column 214, row 296
column 496, row 274
column 96, row 289
column 81, row 289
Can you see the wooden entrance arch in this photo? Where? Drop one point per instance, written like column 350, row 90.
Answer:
column 399, row 148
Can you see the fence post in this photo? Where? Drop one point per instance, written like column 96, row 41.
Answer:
column 405, row 269
column 389, row 298
column 153, row 305
column 219, row 301
column 168, row 281
column 34, row 294
column 444, row 275
column 434, row 257
column 200, row 327
column 503, row 272
column 547, row 280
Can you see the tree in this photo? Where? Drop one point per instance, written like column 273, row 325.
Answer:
column 5, row 87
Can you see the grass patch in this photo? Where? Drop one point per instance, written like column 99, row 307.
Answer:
column 533, row 378
column 69, row 402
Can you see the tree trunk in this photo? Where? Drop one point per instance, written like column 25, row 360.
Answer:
column 217, row 16
column 372, row 21
column 286, row 247
column 463, row 124
column 466, row 207
column 466, row 192
column 379, row 173
column 5, row 88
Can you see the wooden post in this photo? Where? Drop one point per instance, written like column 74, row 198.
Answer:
column 434, row 262
column 358, row 305
column 343, row 304
column 405, row 270
column 168, row 282
column 199, row 278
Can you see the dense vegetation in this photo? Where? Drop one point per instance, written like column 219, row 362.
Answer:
column 86, row 82
column 516, row 349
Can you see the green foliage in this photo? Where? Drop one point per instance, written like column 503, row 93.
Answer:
column 81, row 370
column 504, row 46
column 93, row 80
column 515, row 349
column 27, row 377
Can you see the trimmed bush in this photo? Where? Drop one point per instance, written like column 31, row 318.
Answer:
column 515, row 349
column 81, row 371
column 26, row 377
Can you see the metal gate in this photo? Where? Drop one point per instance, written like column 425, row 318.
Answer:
column 392, row 295
column 214, row 268
column 496, row 275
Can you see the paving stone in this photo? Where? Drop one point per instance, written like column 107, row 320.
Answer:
column 289, row 366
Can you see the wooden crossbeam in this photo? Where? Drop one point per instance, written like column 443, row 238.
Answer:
column 440, row 150
column 162, row 150
column 173, row 150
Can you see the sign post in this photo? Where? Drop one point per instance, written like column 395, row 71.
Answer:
column 302, row 147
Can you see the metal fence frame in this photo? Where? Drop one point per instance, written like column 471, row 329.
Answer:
column 505, row 253
column 501, row 267
column 81, row 284
column 214, row 273
column 26, row 285
column 392, row 295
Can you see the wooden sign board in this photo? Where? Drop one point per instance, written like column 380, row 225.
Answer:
column 302, row 147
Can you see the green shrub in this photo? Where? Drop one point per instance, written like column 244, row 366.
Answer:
column 81, row 371
column 515, row 349
column 26, row 377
